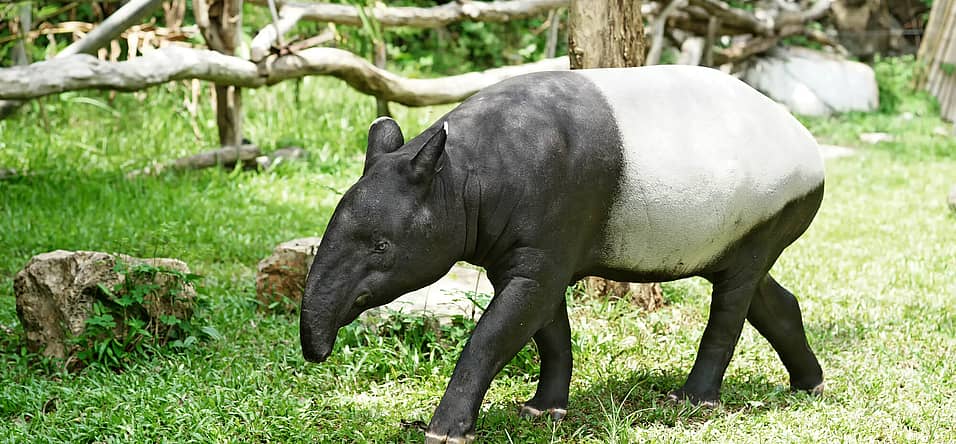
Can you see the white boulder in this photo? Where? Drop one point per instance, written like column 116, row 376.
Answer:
column 814, row 83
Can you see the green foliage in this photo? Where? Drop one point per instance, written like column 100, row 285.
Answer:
column 947, row 68
column 120, row 328
column 894, row 78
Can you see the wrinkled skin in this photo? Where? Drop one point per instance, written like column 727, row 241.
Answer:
column 387, row 237
column 519, row 179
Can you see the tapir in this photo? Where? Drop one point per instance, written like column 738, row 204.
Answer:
column 637, row 174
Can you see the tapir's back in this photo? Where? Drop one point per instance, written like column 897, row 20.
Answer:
column 706, row 159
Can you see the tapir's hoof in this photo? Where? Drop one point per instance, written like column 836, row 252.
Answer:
column 432, row 438
column 680, row 396
column 530, row 412
column 816, row 390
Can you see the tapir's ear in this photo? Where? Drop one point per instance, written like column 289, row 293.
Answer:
column 384, row 136
column 430, row 157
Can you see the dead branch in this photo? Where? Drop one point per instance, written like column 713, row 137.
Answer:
column 289, row 15
column 431, row 17
column 112, row 27
column 226, row 157
column 734, row 16
column 171, row 34
column 437, row 16
column 737, row 53
column 179, row 63
column 657, row 34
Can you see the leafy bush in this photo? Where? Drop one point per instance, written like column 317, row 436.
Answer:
column 121, row 328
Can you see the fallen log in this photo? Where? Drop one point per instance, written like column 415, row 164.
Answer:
column 226, row 157
column 177, row 63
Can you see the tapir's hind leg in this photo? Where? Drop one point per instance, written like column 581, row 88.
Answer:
column 774, row 312
column 728, row 309
column 554, row 346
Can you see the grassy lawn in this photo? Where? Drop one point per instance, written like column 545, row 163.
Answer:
column 875, row 275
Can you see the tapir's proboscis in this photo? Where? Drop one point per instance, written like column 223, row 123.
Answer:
column 638, row 175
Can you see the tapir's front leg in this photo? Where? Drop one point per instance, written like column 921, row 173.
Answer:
column 521, row 306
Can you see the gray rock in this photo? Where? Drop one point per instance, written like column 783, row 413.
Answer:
column 55, row 293
column 875, row 138
column 835, row 151
column 814, row 83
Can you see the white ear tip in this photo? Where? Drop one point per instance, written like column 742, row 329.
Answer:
column 444, row 127
column 379, row 120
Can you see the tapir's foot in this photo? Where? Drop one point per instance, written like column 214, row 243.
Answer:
column 703, row 400
column 437, row 438
column 815, row 388
column 530, row 411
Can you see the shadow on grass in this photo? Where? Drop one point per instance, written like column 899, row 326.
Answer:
column 638, row 400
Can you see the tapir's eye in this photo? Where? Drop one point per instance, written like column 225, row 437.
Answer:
column 381, row 246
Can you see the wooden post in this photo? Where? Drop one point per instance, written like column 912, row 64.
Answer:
column 610, row 34
column 937, row 55
column 220, row 22
column 380, row 60
column 712, row 26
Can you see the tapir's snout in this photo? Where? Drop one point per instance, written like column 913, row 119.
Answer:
column 316, row 343
column 316, row 354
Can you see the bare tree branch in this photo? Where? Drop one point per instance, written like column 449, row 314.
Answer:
column 431, row 17
column 734, row 16
column 112, row 27
column 657, row 34
column 178, row 63
column 289, row 15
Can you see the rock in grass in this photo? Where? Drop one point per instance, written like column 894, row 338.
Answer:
column 56, row 292
column 813, row 82
column 875, row 138
column 280, row 283
column 280, row 279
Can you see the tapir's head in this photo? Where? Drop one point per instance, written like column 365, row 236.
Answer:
column 392, row 232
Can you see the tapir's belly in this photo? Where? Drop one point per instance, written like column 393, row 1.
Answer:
column 705, row 160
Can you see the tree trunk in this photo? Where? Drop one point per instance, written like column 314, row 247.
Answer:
column 220, row 22
column 610, row 34
column 605, row 34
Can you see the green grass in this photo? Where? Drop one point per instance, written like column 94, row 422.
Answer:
column 876, row 277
